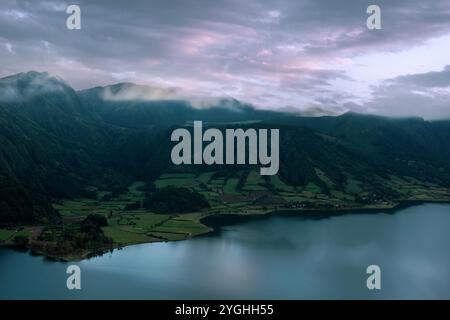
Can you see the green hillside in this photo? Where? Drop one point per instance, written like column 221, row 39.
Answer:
column 67, row 154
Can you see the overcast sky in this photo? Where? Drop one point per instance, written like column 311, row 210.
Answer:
column 275, row 54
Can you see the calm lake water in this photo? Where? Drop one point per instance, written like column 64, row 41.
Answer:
column 273, row 258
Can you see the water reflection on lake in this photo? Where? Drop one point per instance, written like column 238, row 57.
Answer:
column 281, row 257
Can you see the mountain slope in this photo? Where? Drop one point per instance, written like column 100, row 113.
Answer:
column 54, row 142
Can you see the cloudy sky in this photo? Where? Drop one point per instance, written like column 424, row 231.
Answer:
column 273, row 54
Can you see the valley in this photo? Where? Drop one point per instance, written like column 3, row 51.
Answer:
column 81, row 174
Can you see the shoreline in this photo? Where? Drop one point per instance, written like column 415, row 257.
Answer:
column 215, row 222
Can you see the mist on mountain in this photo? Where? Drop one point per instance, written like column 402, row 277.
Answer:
column 54, row 141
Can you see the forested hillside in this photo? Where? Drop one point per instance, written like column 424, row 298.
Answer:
column 55, row 142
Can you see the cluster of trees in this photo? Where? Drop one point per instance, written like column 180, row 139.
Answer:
column 175, row 200
column 70, row 238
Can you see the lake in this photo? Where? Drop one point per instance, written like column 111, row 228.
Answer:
column 278, row 257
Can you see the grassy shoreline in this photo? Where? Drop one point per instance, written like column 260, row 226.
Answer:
column 214, row 222
column 239, row 197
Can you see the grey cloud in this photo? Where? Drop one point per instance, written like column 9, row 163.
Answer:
column 434, row 79
column 270, row 53
column 413, row 95
column 401, row 104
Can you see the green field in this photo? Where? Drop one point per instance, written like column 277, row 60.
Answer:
column 123, row 237
column 7, row 235
column 136, row 226
column 280, row 185
column 254, row 182
column 186, row 227
column 205, row 177
column 147, row 227
column 245, row 192
column 231, row 185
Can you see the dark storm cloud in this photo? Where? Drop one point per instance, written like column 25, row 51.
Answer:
column 272, row 53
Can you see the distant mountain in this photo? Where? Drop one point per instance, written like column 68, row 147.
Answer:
column 387, row 141
column 156, row 107
column 55, row 141
column 23, row 86
column 314, row 111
